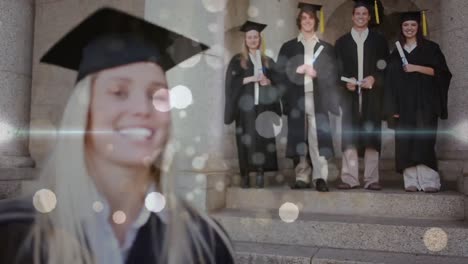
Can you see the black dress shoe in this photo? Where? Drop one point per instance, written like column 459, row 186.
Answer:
column 300, row 185
column 321, row 185
column 245, row 184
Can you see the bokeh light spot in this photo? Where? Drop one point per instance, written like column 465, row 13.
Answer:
column 180, row 97
column 435, row 239
column 268, row 124
column 119, row 217
column 253, row 11
column 98, row 207
column 289, row 212
column 155, row 202
column 44, row 201
column 214, row 5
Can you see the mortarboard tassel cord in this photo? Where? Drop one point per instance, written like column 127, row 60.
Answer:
column 263, row 44
column 376, row 8
column 322, row 21
column 424, row 23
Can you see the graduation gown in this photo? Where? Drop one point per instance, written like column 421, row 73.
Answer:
column 254, row 150
column 420, row 100
column 326, row 96
column 362, row 130
column 17, row 219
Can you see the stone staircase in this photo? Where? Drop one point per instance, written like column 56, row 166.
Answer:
column 347, row 227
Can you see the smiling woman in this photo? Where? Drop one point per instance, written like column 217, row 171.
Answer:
column 113, row 197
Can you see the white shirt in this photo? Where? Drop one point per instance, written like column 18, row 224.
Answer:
column 258, row 68
column 360, row 38
column 410, row 48
column 104, row 244
column 309, row 46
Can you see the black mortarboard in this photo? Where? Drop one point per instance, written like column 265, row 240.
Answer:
column 109, row 38
column 307, row 6
column 375, row 8
column 250, row 25
column 412, row 15
column 314, row 8
column 419, row 16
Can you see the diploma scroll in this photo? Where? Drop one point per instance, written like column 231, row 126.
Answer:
column 258, row 72
column 317, row 54
column 402, row 54
column 358, row 83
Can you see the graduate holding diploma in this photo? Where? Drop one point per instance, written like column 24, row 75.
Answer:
column 416, row 88
column 359, row 54
column 250, row 92
column 308, row 72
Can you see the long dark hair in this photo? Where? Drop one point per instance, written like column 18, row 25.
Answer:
column 310, row 13
column 419, row 35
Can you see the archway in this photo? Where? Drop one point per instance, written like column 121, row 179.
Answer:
column 340, row 22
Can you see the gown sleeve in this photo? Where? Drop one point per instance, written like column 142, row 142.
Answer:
column 233, row 89
column 280, row 78
column 390, row 98
column 443, row 77
column 329, row 77
column 274, row 90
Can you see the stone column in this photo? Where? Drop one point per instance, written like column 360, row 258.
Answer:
column 198, row 116
column 16, row 38
column 454, row 35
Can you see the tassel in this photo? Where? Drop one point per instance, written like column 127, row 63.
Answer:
column 322, row 21
column 424, row 23
column 376, row 8
column 263, row 44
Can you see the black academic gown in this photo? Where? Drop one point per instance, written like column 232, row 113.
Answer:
column 362, row 130
column 326, row 96
column 17, row 219
column 420, row 100
column 254, row 151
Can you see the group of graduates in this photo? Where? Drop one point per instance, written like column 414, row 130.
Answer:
column 358, row 79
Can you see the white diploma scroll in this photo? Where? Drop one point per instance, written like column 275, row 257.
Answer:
column 258, row 70
column 349, row 80
column 317, row 54
column 358, row 83
column 402, row 54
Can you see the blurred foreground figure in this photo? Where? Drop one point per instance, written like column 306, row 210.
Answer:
column 110, row 179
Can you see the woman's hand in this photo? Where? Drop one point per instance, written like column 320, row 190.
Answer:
column 410, row 68
column 418, row 68
column 264, row 81
column 301, row 69
column 251, row 79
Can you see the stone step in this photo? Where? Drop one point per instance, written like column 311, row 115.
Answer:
column 287, row 177
column 389, row 202
column 416, row 236
column 255, row 253
column 450, row 170
column 11, row 180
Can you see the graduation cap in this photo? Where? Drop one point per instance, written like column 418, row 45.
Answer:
column 109, row 38
column 314, row 8
column 372, row 5
column 250, row 25
column 419, row 16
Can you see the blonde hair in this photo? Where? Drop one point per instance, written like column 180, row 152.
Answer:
column 66, row 175
column 245, row 52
